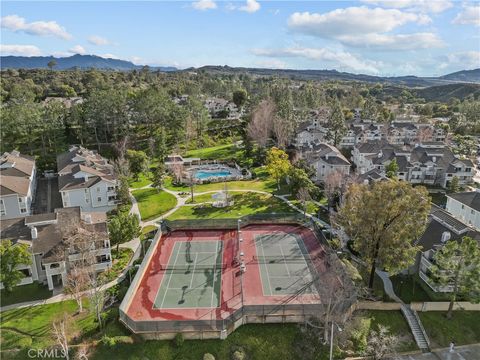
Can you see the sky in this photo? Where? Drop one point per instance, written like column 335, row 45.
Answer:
column 377, row 37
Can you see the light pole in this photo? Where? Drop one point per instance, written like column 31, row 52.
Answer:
column 331, row 338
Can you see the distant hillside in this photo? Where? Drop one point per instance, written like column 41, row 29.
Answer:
column 445, row 92
column 75, row 61
column 411, row 81
column 93, row 61
column 464, row 76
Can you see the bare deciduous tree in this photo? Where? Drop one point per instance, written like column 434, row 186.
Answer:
column 177, row 171
column 281, row 132
column 381, row 344
column 60, row 335
column 424, row 134
column 333, row 185
column 77, row 283
column 303, row 196
column 337, row 292
column 82, row 353
column 260, row 127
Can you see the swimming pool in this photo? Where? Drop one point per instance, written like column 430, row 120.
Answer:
column 205, row 174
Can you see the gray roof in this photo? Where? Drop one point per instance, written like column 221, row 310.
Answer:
column 52, row 238
column 439, row 222
column 469, row 198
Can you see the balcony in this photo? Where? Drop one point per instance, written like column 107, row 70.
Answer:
column 432, row 285
column 104, row 265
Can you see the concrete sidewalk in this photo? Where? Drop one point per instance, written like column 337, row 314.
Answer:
column 466, row 352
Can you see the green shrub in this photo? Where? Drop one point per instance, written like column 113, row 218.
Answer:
column 359, row 333
column 111, row 341
column 178, row 340
column 208, row 356
column 239, row 354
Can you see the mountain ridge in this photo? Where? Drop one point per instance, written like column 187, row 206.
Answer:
column 74, row 61
column 98, row 62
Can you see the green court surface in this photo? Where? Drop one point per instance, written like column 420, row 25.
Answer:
column 282, row 260
column 192, row 277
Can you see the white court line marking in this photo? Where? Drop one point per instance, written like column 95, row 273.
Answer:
column 284, row 260
column 266, row 268
column 193, row 272
column 168, row 283
column 213, row 280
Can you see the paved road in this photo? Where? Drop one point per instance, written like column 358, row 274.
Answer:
column 467, row 352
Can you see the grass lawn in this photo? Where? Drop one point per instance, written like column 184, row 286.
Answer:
column 31, row 327
column 463, row 328
column 34, row 291
column 143, row 180
column 255, row 184
column 408, row 288
column 438, row 199
column 153, row 203
column 220, row 152
column 260, row 341
column 244, row 204
column 396, row 323
column 312, row 208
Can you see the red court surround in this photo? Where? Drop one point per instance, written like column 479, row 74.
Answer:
column 141, row 308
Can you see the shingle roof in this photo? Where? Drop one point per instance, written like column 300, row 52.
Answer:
column 51, row 238
column 10, row 185
column 439, row 222
column 23, row 164
column 469, row 198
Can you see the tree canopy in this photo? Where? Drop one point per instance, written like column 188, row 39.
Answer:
column 384, row 220
column 12, row 255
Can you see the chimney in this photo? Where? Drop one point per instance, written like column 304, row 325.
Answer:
column 16, row 153
column 446, row 235
column 88, row 218
column 85, row 177
column 34, row 232
column 434, row 159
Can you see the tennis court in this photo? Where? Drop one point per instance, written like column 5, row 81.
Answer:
column 192, row 276
column 283, row 263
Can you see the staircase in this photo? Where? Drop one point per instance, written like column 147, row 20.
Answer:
column 416, row 326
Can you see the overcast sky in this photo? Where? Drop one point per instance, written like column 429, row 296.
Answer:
column 379, row 37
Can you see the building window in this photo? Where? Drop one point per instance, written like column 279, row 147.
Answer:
column 98, row 189
column 20, row 199
column 23, row 211
column 99, row 199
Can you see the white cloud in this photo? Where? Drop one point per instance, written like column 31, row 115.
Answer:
column 42, row 28
column 365, row 27
column 98, row 40
column 337, row 58
column 470, row 15
column 434, row 6
column 465, row 60
column 77, row 49
column 109, row 56
column 352, row 20
column 394, row 42
column 272, row 64
column 21, row 50
column 204, row 5
column 251, row 6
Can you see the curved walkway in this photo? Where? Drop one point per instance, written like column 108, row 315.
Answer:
column 135, row 244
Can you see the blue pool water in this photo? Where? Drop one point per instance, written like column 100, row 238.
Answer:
column 205, row 174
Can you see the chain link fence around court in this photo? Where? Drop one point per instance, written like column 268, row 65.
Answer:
column 241, row 313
